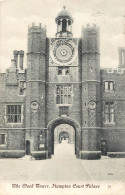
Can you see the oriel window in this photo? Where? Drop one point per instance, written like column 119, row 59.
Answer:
column 63, row 94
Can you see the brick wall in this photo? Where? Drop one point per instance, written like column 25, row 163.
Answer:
column 114, row 134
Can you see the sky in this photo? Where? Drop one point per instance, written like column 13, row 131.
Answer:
column 17, row 15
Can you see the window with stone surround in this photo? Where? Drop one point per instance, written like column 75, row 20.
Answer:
column 63, row 94
column 13, row 113
column 22, row 87
column 2, row 139
column 63, row 71
column 109, row 85
column 109, row 112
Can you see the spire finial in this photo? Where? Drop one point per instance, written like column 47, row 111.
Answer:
column 64, row 7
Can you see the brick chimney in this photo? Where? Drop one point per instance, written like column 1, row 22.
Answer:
column 13, row 64
column 15, row 53
column 21, row 53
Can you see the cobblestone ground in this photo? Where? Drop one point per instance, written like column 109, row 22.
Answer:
column 63, row 167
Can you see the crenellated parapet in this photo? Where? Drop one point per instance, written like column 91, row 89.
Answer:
column 36, row 28
column 113, row 70
column 90, row 39
column 90, row 27
column 36, row 38
column 90, row 52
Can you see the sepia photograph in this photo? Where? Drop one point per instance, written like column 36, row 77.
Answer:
column 62, row 97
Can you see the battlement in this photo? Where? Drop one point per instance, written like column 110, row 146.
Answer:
column 36, row 28
column 90, row 27
column 114, row 70
column 90, row 39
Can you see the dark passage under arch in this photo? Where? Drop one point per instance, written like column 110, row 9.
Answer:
column 63, row 135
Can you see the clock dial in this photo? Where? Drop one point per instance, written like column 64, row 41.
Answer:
column 63, row 51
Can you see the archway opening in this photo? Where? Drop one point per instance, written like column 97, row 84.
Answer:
column 63, row 140
column 76, row 137
column 64, row 135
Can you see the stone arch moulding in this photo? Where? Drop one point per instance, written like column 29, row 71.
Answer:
column 63, row 120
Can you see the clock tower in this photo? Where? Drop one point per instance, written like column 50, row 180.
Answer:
column 63, row 88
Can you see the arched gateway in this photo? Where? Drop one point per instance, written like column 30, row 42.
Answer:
column 50, row 137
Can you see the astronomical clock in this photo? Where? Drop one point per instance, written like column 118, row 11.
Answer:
column 63, row 52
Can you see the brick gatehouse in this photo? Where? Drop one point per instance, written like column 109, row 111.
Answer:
column 62, row 85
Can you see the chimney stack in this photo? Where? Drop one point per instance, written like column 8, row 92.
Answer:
column 15, row 53
column 121, row 57
column 21, row 53
column 13, row 64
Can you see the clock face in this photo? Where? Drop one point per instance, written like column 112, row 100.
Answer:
column 63, row 51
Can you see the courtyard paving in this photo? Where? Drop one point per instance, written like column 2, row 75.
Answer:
column 63, row 168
